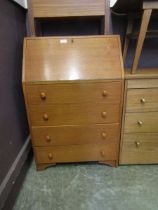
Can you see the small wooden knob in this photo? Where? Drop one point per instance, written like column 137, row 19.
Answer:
column 50, row 156
column 43, row 96
column 140, row 123
column 137, row 144
column 142, row 100
column 104, row 135
column 48, row 139
column 45, row 117
column 104, row 114
column 104, row 93
column 102, row 153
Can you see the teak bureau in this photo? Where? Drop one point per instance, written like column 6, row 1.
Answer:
column 73, row 89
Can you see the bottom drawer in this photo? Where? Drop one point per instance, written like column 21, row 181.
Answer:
column 80, row 153
column 139, row 149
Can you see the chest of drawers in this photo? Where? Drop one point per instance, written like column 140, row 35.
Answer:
column 140, row 128
column 73, row 91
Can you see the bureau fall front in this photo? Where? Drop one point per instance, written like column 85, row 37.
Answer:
column 73, row 88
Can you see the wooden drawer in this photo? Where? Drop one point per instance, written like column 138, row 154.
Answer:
column 61, row 154
column 106, row 92
column 143, row 83
column 72, row 135
column 73, row 114
column 139, row 149
column 140, row 100
column 64, row 8
column 141, row 122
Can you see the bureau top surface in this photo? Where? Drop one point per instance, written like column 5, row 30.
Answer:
column 72, row 58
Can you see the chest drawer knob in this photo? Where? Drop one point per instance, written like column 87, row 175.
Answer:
column 50, row 156
column 140, row 123
column 104, row 135
column 45, row 117
column 104, row 114
column 43, row 96
column 102, row 153
column 142, row 100
column 137, row 143
column 48, row 139
column 105, row 93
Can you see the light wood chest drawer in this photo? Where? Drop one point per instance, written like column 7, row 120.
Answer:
column 140, row 148
column 106, row 92
column 62, row 8
column 141, row 122
column 61, row 154
column 74, row 114
column 142, row 100
column 74, row 135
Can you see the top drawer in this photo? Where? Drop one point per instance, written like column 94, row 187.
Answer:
column 63, row 8
column 106, row 92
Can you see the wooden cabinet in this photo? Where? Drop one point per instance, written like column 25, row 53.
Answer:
column 73, row 90
column 140, row 128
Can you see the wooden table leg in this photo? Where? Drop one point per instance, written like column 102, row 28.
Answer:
column 141, row 38
column 127, row 39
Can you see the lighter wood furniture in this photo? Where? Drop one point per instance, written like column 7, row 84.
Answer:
column 139, row 143
column 73, row 90
column 68, row 8
column 148, row 7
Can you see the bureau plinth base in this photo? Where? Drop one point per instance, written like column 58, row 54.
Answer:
column 111, row 163
column 43, row 166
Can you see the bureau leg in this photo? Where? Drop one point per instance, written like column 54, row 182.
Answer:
column 43, row 166
column 111, row 163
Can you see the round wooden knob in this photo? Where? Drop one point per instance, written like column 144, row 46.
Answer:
column 45, row 117
column 43, row 96
column 140, row 123
column 142, row 100
column 137, row 144
column 104, row 114
column 102, row 153
column 50, row 156
column 104, row 93
column 104, row 135
column 48, row 139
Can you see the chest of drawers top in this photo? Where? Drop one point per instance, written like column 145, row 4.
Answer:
column 69, row 59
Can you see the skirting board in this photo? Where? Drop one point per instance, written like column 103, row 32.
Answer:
column 8, row 182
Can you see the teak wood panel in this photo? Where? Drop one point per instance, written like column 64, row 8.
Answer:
column 74, row 114
column 141, row 122
column 139, row 149
column 143, row 83
column 72, row 59
column 79, row 153
column 106, row 92
column 142, row 100
column 67, row 8
column 74, row 135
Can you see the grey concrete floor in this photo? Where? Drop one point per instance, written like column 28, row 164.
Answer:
column 90, row 187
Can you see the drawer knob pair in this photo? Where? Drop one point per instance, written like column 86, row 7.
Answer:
column 45, row 117
column 50, row 156
column 137, row 143
column 104, row 114
column 48, row 139
column 43, row 96
column 105, row 93
column 140, row 123
column 142, row 100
